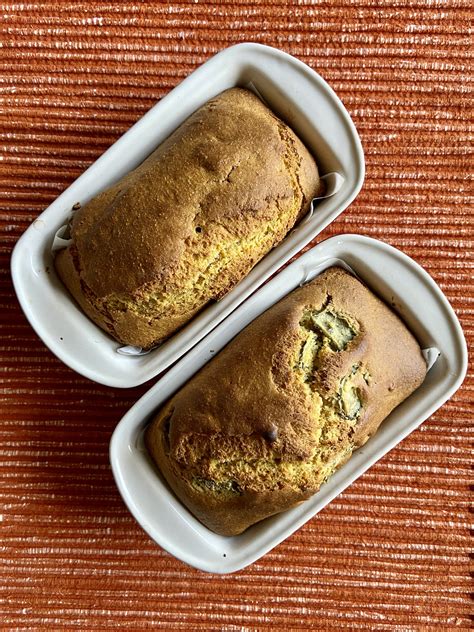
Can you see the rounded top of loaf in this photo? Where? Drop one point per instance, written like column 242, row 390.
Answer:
column 268, row 420
column 141, row 231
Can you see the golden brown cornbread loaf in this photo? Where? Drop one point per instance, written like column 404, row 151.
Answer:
column 266, row 422
column 184, row 227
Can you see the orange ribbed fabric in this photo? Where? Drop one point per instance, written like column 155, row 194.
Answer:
column 391, row 553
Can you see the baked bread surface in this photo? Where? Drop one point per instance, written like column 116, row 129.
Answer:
column 269, row 419
column 190, row 222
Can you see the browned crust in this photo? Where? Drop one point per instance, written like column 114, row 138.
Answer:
column 226, row 186
column 251, row 391
column 230, row 517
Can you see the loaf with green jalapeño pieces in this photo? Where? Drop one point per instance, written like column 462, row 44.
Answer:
column 265, row 423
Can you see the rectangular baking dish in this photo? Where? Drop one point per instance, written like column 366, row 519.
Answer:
column 293, row 91
column 394, row 277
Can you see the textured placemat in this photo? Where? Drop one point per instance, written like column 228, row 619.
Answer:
column 389, row 553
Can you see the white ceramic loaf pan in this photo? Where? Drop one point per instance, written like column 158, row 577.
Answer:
column 294, row 92
column 394, row 277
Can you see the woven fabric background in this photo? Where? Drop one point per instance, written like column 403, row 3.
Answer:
column 392, row 551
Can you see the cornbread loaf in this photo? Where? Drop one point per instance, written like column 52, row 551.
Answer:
column 183, row 228
column 268, row 420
